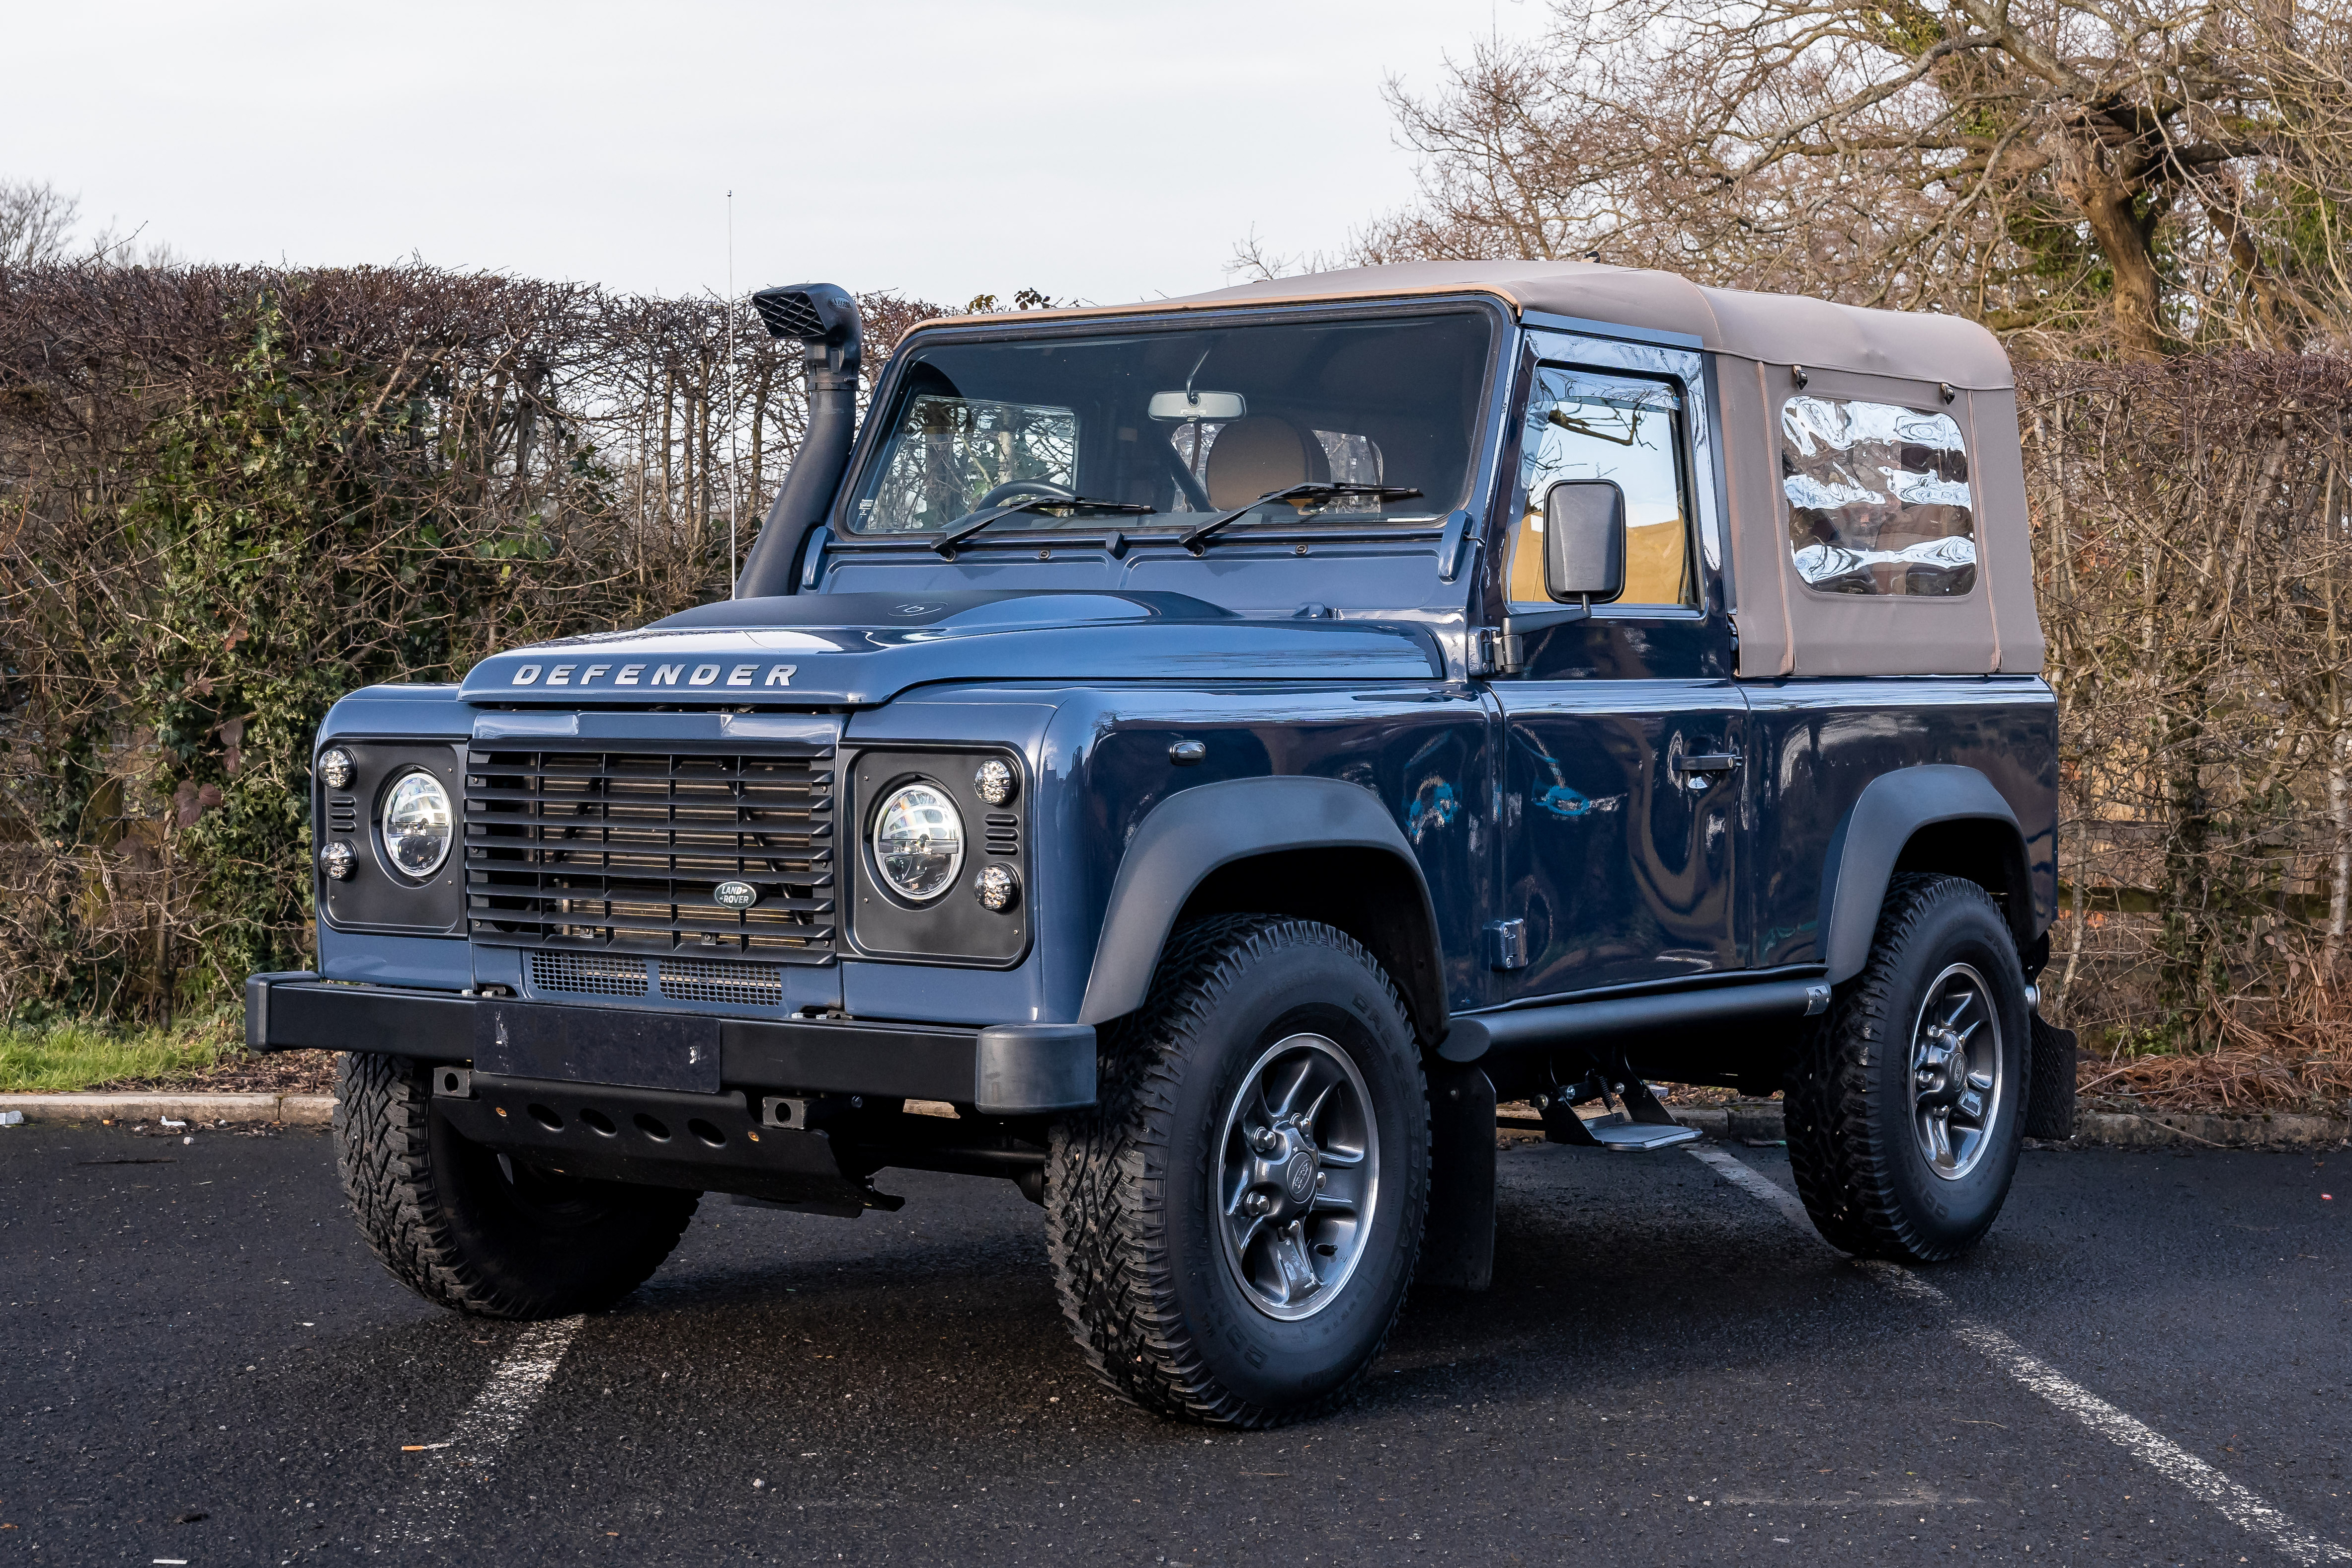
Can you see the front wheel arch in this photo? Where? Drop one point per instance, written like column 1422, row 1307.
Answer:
column 1239, row 844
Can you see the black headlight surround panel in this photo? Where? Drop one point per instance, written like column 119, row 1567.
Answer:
column 376, row 898
column 953, row 928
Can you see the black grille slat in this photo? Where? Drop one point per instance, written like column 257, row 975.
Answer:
column 622, row 848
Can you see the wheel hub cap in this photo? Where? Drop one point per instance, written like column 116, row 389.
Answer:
column 1956, row 1068
column 1298, row 1176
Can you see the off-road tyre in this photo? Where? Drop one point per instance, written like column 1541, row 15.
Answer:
column 468, row 1231
column 1129, row 1184
column 1849, row 1101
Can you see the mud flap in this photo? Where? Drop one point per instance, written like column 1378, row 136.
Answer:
column 2050, row 1082
column 1457, row 1249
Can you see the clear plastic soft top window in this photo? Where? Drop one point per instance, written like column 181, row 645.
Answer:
column 1588, row 425
column 1878, row 499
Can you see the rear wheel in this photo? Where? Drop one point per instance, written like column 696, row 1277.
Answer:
column 1904, row 1113
column 1233, row 1225
column 477, row 1231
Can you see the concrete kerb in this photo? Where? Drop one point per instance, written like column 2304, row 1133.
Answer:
column 197, row 1109
column 1759, row 1121
column 1750, row 1121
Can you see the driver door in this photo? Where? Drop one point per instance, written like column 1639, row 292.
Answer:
column 1623, row 729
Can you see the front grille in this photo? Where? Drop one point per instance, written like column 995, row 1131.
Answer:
column 622, row 849
column 588, row 973
column 700, row 980
column 343, row 814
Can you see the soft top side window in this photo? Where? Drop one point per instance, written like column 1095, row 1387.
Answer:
column 1588, row 425
column 1878, row 499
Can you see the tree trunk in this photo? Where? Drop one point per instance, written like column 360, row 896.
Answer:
column 2124, row 238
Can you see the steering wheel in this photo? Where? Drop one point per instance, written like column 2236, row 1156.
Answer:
column 1013, row 489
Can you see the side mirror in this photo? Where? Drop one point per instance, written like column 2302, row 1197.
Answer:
column 1584, row 539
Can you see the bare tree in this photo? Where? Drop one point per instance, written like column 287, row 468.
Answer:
column 34, row 219
column 2132, row 176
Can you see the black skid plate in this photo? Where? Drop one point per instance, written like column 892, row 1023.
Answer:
column 710, row 1143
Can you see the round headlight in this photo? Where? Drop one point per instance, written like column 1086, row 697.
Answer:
column 417, row 825
column 335, row 767
column 918, row 842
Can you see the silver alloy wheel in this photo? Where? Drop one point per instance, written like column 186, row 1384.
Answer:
column 1956, row 1071
column 1298, row 1173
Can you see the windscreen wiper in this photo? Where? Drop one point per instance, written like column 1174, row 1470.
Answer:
column 974, row 522
column 1197, row 542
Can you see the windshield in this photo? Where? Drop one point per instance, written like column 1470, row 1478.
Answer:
column 1184, row 422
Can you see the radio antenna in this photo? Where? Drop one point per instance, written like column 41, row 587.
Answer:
column 734, row 411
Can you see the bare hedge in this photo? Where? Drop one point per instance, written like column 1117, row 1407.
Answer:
column 2193, row 540
column 227, row 496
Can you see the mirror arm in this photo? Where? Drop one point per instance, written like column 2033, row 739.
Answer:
column 1510, row 643
column 1518, row 625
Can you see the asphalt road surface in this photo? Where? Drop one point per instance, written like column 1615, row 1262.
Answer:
column 2147, row 1362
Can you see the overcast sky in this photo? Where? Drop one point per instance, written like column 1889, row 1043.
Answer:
column 1104, row 152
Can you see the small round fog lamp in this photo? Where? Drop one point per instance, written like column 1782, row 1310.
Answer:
column 336, row 767
column 997, row 889
column 994, row 782
column 918, row 842
column 335, row 860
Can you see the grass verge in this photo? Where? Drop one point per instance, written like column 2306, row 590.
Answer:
column 74, row 1054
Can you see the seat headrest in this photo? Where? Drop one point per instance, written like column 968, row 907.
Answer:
column 1263, row 452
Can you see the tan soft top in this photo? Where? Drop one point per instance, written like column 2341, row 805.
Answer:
column 1786, row 626
column 1773, row 328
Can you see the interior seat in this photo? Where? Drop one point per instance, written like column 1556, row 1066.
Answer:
column 1263, row 452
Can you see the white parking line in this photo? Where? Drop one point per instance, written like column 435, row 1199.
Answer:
column 2143, row 1442
column 460, row 1464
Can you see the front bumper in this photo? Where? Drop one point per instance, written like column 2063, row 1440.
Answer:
column 1004, row 1070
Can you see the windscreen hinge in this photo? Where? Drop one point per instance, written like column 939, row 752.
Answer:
column 1493, row 652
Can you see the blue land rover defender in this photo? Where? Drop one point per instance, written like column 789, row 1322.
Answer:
column 1193, row 760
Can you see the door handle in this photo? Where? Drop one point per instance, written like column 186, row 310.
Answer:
column 1699, row 770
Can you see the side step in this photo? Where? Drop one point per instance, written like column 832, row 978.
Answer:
column 1642, row 1123
column 1617, row 1131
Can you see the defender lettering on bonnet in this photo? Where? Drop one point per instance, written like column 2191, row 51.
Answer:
column 1270, row 728
column 664, row 675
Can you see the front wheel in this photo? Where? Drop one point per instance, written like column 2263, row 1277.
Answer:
column 1905, row 1111
column 1233, row 1225
column 480, row 1232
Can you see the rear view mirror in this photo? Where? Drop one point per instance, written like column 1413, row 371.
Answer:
column 1584, row 539
column 1191, row 406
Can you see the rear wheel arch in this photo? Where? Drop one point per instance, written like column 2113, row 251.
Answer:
column 1940, row 819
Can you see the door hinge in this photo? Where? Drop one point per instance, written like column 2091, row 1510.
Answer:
column 1495, row 652
column 1507, row 944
